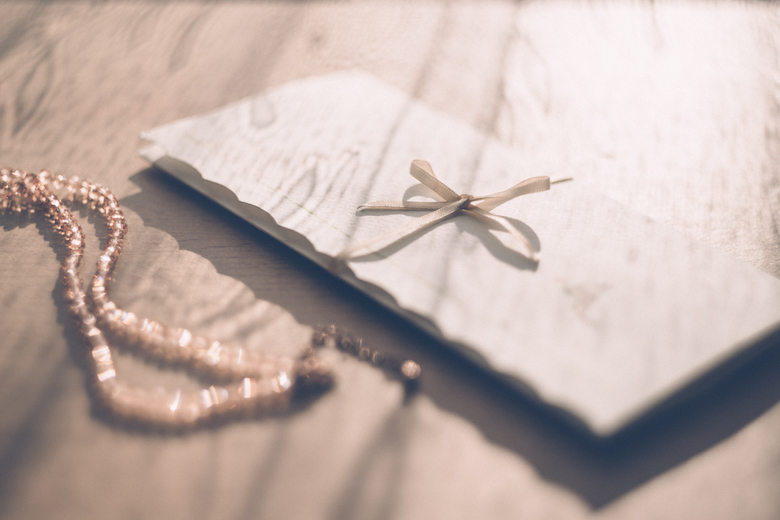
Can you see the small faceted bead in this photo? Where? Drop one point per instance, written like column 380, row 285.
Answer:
column 410, row 370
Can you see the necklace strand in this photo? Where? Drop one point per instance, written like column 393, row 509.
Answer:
column 247, row 382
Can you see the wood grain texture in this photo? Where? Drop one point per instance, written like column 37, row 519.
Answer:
column 80, row 80
column 670, row 108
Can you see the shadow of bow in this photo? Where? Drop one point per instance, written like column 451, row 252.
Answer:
column 493, row 237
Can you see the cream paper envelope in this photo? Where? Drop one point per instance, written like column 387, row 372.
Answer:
column 619, row 314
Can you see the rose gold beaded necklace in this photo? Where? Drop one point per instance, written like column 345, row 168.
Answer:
column 248, row 382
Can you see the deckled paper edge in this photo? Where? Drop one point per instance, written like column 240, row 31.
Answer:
column 265, row 222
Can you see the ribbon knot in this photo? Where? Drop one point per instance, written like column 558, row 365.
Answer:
column 451, row 204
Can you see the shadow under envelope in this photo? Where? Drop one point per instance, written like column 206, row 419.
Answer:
column 600, row 470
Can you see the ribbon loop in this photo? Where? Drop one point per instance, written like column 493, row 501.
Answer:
column 452, row 204
column 422, row 171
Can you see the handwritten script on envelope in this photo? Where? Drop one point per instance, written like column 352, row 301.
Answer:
column 619, row 313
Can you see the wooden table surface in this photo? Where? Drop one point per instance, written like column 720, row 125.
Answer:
column 670, row 107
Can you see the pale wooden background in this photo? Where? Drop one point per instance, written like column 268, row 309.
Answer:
column 671, row 108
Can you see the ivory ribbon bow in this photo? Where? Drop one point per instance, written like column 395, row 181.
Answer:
column 478, row 207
